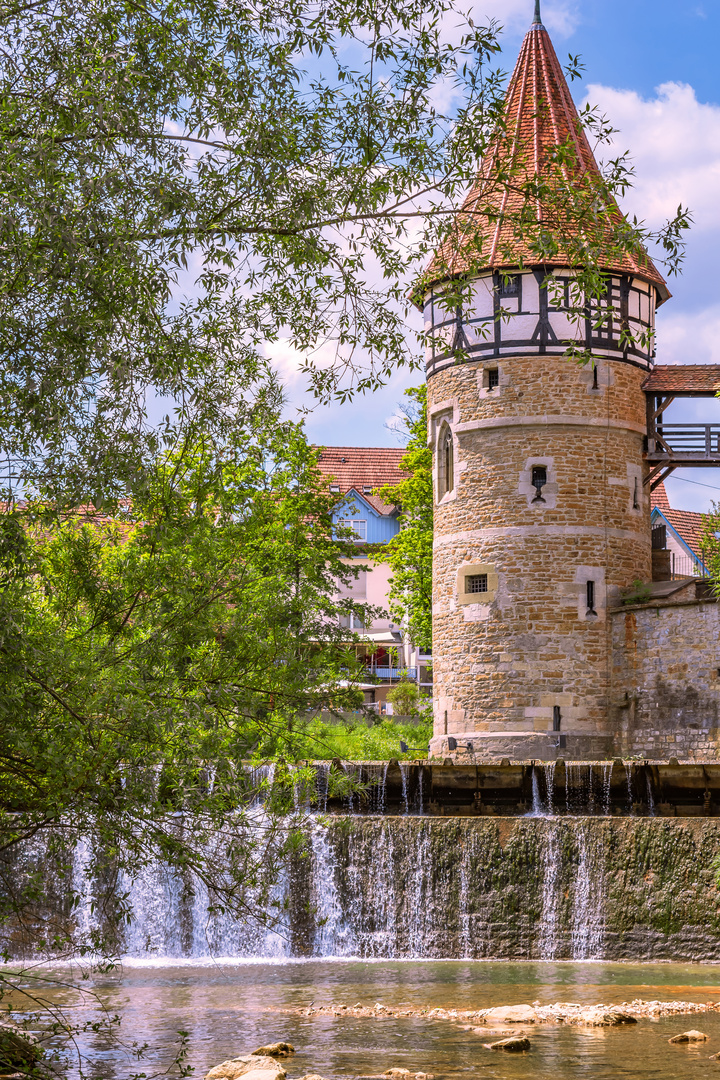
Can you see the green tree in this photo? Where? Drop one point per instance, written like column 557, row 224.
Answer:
column 710, row 545
column 406, row 699
column 142, row 653
column 410, row 550
column 184, row 181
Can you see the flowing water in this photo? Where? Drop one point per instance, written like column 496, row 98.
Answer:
column 231, row 1009
column 418, row 887
column 372, row 904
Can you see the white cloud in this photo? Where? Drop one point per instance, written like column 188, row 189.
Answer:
column 674, row 142
column 690, row 337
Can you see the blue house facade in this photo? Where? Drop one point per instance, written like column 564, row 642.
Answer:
column 355, row 474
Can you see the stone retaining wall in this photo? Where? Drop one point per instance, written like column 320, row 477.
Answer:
column 666, row 679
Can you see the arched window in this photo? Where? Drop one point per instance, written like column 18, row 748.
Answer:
column 446, row 462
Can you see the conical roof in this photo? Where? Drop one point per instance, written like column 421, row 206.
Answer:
column 535, row 199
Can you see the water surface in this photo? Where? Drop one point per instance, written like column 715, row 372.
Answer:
column 230, row 1008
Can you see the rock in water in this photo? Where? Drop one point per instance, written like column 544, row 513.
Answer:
column 249, row 1067
column 278, row 1049
column 600, row 1017
column 689, row 1036
column 515, row 1045
column 511, row 1014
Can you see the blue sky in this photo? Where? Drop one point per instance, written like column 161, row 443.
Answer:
column 652, row 67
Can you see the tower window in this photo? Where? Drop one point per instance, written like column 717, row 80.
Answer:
column 590, row 597
column 446, row 462
column 557, row 718
column 636, row 504
column 539, row 480
column 509, row 285
column 493, row 378
column 476, row 583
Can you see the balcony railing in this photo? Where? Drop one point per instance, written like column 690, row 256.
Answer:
column 683, row 566
column 680, row 442
column 392, row 673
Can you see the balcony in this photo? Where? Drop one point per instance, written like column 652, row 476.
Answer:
column 686, row 444
column 392, row 674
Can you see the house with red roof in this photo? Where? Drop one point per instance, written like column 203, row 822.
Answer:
column 355, row 474
column 679, row 533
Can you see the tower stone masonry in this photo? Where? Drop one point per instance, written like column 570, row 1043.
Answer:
column 542, row 515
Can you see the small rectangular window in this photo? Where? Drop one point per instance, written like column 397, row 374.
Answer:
column 509, row 285
column 367, row 490
column 476, row 583
column 590, row 596
column 493, row 378
column 334, row 489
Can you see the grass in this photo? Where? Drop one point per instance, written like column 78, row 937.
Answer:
column 350, row 738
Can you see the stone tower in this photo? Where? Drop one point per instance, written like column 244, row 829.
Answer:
column 541, row 512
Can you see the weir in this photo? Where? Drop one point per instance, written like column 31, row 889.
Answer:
column 645, row 788
column 590, row 865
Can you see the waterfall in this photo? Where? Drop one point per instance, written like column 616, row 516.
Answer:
column 549, row 768
column 537, row 803
column 587, row 928
column 650, row 798
column 383, row 886
column 606, row 785
column 550, row 896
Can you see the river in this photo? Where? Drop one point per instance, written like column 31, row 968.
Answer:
column 231, row 1008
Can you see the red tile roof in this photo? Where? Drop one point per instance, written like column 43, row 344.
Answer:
column 683, row 379
column 689, row 526
column 541, row 125
column 363, row 467
column 659, row 499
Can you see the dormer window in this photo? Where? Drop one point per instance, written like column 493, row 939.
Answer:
column 367, row 489
column 357, row 525
column 334, row 489
column 446, row 462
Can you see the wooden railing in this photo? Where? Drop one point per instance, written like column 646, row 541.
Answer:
column 679, row 441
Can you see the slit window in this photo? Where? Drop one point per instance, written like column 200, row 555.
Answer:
column 446, row 463
column 476, row 583
column 557, row 718
column 590, row 597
